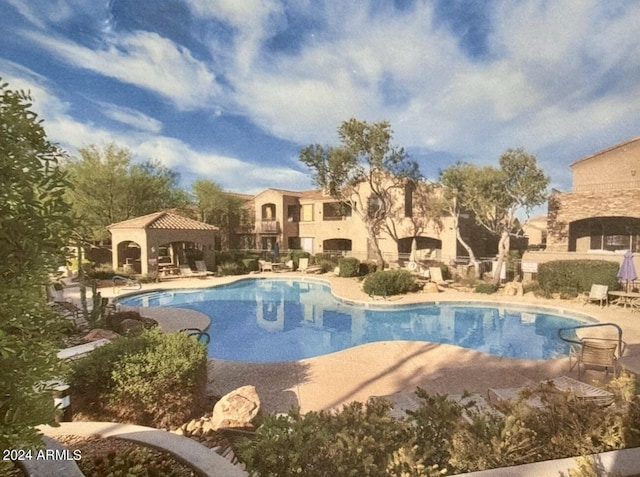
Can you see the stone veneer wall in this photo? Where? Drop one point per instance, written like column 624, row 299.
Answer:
column 568, row 207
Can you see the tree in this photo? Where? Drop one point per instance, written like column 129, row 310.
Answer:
column 420, row 207
column 218, row 207
column 495, row 196
column 34, row 227
column 363, row 173
column 460, row 184
column 107, row 187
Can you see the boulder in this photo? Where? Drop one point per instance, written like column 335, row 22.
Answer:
column 236, row 409
column 98, row 334
column 513, row 289
column 430, row 287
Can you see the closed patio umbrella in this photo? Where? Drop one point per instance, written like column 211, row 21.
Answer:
column 414, row 251
column 627, row 270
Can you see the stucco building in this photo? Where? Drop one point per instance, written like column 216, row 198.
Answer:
column 315, row 222
column 602, row 211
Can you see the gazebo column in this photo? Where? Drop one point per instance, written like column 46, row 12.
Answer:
column 114, row 254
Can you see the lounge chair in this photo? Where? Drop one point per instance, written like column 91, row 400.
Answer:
column 594, row 352
column 303, row 266
column 581, row 391
column 265, row 266
column 201, row 267
column 185, row 271
column 70, row 311
column 597, row 293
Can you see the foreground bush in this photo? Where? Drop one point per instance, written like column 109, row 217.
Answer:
column 154, row 379
column 435, row 440
column 349, row 267
column 390, row 282
column 562, row 276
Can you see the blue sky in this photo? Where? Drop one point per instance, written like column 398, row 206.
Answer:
column 230, row 90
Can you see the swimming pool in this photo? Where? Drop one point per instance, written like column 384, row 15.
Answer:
column 269, row 320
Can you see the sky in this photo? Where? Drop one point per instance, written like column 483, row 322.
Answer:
column 231, row 90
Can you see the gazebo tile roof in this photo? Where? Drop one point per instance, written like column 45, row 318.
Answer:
column 162, row 220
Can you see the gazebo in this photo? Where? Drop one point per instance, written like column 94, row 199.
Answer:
column 142, row 244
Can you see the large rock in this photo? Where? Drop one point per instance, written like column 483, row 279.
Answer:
column 236, row 409
column 513, row 289
column 98, row 334
column 430, row 287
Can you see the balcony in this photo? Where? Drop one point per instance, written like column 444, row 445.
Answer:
column 268, row 227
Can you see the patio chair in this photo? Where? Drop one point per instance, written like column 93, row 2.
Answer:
column 201, row 267
column 303, row 266
column 597, row 293
column 185, row 271
column 594, row 352
column 265, row 266
column 69, row 311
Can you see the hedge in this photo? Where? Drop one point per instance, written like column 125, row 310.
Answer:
column 390, row 282
column 577, row 275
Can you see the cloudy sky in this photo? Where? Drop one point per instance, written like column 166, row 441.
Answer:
column 230, row 90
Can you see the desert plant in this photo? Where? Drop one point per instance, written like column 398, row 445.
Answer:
column 349, row 267
column 390, row 282
column 153, row 379
column 487, row 288
column 230, row 268
column 366, row 268
column 357, row 440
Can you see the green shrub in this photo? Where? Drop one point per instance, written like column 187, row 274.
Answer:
column 577, row 275
column 356, row 440
column 487, row 288
column 331, row 257
column 154, row 379
column 390, row 282
column 349, row 267
column 530, row 286
column 296, row 255
column 366, row 268
column 434, row 440
column 250, row 264
column 230, row 268
column 326, row 265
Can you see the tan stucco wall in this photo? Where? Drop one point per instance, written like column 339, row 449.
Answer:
column 610, row 169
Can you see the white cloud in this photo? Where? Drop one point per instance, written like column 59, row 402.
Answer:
column 131, row 117
column 539, row 81
column 144, row 59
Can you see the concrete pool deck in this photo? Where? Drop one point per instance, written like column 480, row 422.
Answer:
column 391, row 368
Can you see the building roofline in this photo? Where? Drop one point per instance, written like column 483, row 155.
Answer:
column 604, row 151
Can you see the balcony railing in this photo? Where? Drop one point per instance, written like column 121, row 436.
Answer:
column 268, row 227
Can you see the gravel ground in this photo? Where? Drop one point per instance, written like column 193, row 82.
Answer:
column 100, row 456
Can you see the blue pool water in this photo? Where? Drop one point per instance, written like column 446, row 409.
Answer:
column 267, row 320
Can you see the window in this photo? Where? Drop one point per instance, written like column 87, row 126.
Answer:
column 408, row 199
column 293, row 213
column 306, row 213
column 335, row 211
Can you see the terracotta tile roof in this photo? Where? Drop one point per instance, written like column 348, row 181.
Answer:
column 162, row 220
